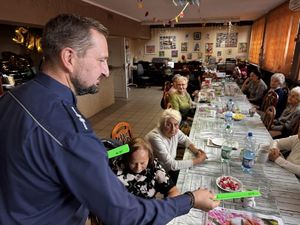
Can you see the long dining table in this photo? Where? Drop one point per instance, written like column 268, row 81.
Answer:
column 280, row 189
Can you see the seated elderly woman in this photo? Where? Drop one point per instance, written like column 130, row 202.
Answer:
column 164, row 140
column 276, row 84
column 290, row 144
column 285, row 124
column 141, row 174
column 181, row 100
column 254, row 87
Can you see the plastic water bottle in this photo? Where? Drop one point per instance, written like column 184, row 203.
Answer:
column 228, row 118
column 230, row 105
column 248, row 153
column 228, row 132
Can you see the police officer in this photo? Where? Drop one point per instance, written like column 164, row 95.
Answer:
column 53, row 168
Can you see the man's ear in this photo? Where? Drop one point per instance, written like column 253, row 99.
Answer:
column 68, row 56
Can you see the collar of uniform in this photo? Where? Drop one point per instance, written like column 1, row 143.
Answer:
column 61, row 90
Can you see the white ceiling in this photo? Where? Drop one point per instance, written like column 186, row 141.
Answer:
column 162, row 11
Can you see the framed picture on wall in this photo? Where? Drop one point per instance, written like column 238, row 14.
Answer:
column 189, row 56
column 161, row 53
column 149, row 49
column 209, row 48
column 184, row 46
column 242, row 47
column 196, row 47
column 199, row 55
column 197, row 35
column 174, row 53
column 219, row 53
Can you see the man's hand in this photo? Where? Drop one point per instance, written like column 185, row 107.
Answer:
column 274, row 154
column 204, row 200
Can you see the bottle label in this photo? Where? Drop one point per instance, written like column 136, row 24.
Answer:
column 248, row 163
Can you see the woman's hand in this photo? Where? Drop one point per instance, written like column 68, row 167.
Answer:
column 200, row 157
column 274, row 154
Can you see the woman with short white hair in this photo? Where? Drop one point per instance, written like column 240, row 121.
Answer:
column 290, row 116
column 181, row 99
column 276, row 85
column 165, row 138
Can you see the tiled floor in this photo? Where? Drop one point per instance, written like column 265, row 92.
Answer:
column 142, row 111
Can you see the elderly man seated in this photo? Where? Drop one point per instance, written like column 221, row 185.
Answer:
column 291, row 144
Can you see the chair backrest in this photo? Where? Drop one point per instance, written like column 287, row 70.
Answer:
column 270, row 99
column 122, row 132
column 140, row 69
column 269, row 117
column 295, row 128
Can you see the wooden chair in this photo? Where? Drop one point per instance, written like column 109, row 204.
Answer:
column 122, row 132
column 270, row 99
column 296, row 128
column 269, row 117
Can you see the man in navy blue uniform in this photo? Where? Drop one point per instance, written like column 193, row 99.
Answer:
column 53, row 168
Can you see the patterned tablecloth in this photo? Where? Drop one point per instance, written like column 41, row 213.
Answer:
column 280, row 189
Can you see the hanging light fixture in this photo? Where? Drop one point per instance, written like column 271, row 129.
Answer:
column 183, row 2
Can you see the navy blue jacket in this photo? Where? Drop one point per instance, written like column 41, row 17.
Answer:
column 55, row 170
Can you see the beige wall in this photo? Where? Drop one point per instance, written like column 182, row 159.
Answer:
column 89, row 105
column 208, row 35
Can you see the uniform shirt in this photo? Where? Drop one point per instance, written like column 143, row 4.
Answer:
column 55, row 172
column 292, row 144
column 165, row 149
column 147, row 183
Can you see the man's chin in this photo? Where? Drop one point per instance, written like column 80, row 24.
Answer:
column 90, row 90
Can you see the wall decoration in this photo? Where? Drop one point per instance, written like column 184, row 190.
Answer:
column 174, row 53
column 230, row 40
column 149, row 49
column 167, row 42
column 242, row 47
column 209, row 48
column 229, row 51
column 219, row 53
column 161, row 53
column 207, row 36
column 187, row 36
column 184, row 46
column 196, row 47
column 197, row 35
column 189, row 55
column 199, row 56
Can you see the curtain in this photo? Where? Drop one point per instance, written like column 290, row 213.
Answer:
column 256, row 40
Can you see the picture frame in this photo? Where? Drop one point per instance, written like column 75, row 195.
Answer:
column 209, row 48
column 197, row 35
column 174, row 53
column 219, row 53
column 196, row 47
column 161, row 53
column 184, row 46
column 242, row 47
column 189, row 55
column 149, row 49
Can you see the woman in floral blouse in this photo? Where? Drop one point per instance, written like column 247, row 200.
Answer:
column 141, row 174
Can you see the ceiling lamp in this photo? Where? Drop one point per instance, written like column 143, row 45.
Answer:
column 184, row 2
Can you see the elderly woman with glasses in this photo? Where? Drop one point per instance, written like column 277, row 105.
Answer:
column 165, row 139
column 276, row 84
column 286, row 123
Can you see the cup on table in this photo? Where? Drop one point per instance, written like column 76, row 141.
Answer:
column 252, row 111
column 263, row 154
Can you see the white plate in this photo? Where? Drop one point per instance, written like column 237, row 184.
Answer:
column 233, row 179
column 218, row 141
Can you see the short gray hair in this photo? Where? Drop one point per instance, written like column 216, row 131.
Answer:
column 296, row 90
column 68, row 30
column 280, row 77
column 167, row 114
